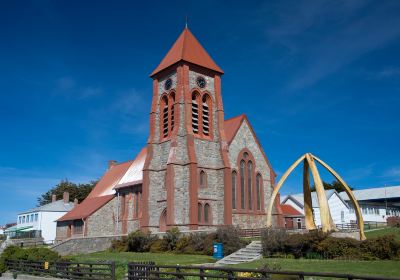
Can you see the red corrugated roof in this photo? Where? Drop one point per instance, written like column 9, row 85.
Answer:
column 110, row 179
column 288, row 210
column 231, row 126
column 86, row 208
column 187, row 48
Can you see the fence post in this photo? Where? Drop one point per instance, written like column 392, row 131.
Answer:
column 113, row 270
column 201, row 273
column 231, row 276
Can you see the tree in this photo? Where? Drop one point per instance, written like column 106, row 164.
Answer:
column 79, row 191
column 335, row 185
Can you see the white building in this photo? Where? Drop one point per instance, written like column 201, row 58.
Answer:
column 339, row 209
column 377, row 204
column 43, row 218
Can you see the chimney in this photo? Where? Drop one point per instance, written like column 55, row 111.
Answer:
column 66, row 197
column 53, row 198
column 111, row 163
column 75, row 202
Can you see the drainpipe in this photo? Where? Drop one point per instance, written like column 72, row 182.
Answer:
column 84, row 227
column 117, row 213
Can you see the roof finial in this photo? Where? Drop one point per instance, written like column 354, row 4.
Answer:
column 186, row 22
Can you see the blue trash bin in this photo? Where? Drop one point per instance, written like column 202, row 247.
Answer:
column 218, row 250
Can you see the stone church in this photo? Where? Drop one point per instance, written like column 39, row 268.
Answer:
column 197, row 171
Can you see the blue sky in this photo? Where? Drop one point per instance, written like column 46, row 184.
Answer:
column 312, row 76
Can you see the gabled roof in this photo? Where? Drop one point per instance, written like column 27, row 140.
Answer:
column 104, row 190
column 374, row 193
column 288, row 210
column 86, row 208
column 56, row 206
column 231, row 127
column 112, row 176
column 134, row 175
column 298, row 199
column 187, row 48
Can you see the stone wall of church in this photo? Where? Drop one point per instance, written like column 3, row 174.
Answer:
column 245, row 139
column 101, row 222
column 157, row 195
column 62, row 230
column 213, row 194
column 181, row 195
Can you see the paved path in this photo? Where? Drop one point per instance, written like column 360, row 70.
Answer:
column 251, row 252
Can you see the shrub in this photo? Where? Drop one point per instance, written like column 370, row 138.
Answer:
column 302, row 244
column 384, row 247
column 139, row 241
column 273, row 241
column 157, row 246
column 332, row 248
column 30, row 254
column 119, row 245
column 171, row 238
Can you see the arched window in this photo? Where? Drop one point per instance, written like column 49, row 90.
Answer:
column 195, row 112
column 249, row 184
column 234, row 178
column 203, row 179
column 172, row 109
column 258, row 190
column 206, row 114
column 242, row 187
column 199, row 212
column 207, row 213
column 164, row 108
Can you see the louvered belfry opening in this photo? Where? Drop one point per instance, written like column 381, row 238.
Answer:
column 195, row 112
column 165, row 116
column 206, row 115
column 172, row 110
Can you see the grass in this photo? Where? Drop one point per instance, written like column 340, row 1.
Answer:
column 378, row 268
column 384, row 231
column 123, row 258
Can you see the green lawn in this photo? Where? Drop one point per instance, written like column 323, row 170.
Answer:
column 379, row 268
column 384, row 231
column 122, row 259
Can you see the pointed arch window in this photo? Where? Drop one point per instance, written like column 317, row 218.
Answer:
column 249, row 184
column 172, row 110
column 203, row 179
column 242, row 186
column 195, row 112
column 164, row 108
column 206, row 114
column 258, row 190
column 201, row 114
column 234, row 178
column 249, row 195
column 207, row 213
column 199, row 212
column 167, row 114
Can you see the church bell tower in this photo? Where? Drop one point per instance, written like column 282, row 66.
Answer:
column 186, row 176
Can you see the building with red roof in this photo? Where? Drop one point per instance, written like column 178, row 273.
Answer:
column 197, row 171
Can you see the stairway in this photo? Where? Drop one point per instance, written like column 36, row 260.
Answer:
column 251, row 252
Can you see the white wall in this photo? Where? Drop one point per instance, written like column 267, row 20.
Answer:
column 48, row 224
column 336, row 207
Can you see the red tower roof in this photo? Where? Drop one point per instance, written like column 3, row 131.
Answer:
column 187, row 48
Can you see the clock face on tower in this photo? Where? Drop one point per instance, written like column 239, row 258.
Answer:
column 168, row 84
column 201, row 82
